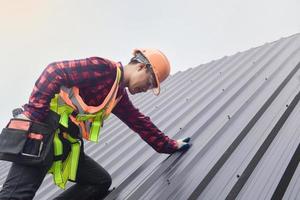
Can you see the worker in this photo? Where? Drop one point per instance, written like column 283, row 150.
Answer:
column 84, row 92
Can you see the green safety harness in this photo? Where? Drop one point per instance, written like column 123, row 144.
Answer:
column 88, row 123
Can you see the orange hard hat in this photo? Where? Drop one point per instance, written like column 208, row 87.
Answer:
column 160, row 65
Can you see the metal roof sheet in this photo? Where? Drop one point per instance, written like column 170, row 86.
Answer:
column 242, row 113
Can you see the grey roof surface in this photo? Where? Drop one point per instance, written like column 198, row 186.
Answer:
column 242, row 113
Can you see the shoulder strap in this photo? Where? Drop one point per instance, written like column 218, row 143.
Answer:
column 71, row 97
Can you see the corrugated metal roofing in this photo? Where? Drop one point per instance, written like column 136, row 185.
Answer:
column 242, row 112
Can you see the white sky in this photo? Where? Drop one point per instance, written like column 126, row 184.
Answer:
column 190, row 32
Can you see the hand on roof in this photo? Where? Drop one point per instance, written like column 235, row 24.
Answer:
column 183, row 144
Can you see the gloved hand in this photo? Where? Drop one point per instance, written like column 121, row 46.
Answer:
column 183, row 144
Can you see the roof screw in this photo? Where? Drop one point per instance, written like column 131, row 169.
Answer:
column 168, row 181
column 223, row 89
column 228, row 116
column 286, row 105
column 266, row 78
column 238, row 176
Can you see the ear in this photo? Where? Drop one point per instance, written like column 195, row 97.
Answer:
column 140, row 66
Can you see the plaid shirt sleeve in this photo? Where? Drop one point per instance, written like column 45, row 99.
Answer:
column 142, row 125
column 80, row 73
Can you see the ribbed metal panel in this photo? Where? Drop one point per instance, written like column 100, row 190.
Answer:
column 242, row 112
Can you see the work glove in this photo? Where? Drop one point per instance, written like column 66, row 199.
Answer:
column 183, row 144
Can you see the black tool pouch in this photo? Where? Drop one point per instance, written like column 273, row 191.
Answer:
column 28, row 142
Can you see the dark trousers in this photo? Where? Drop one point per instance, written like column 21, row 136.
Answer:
column 22, row 182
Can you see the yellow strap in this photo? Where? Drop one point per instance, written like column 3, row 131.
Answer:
column 63, row 110
column 62, row 172
column 95, row 128
column 54, row 103
column 65, row 172
column 74, row 156
column 57, row 165
column 84, row 117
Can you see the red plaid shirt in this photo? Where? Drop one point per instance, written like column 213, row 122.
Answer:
column 94, row 77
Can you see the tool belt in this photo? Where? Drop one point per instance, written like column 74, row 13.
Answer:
column 29, row 142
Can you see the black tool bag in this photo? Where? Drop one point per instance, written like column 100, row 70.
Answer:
column 28, row 142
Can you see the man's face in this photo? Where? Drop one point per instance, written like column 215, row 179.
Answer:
column 141, row 80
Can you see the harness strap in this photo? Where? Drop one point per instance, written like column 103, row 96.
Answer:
column 73, row 157
column 62, row 109
column 89, row 119
column 67, row 170
column 93, row 109
column 57, row 163
column 64, row 116
column 95, row 129
column 112, row 102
